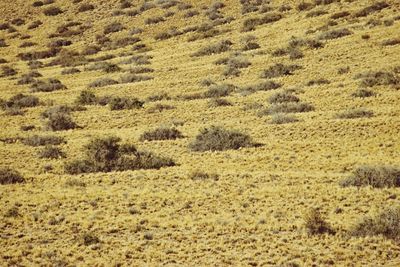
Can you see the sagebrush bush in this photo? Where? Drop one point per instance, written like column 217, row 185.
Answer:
column 8, row 71
column 334, row 34
column 374, row 176
column 9, row 176
column 159, row 108
column 251, row 23
column 106, row 154
column 385, row 223
column 21, row 101
column 390, row 42
column 282, row 118
column 86, row 97
column 162, row 133
column 85, row 7
column 220, row 90
column 374, row 78
column 52, row 11
column 220, row 47
column 70, row 71
column 378, row 6
column 113, row 27
column 51, row 152
column 316, row 224
column 355, row 113
column 48, row 85
column 217, row 138
column 103, row 66
column 154, row 20
column 58, row 119
column 363, row 93
column 279, row 69
column 289, row 107
column 133, row 78
column 318, row 82
column 102, row 82
column 119, row 103
column 281, row 97
column 201, row 175
column 218, row 102
column 263, row 86
column 37, row 140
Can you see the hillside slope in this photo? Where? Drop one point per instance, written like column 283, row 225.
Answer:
column 294, row 100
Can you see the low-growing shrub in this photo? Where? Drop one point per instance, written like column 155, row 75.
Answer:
column 217, row 138
column 37, row 140
column 26, row 128
column 316, row 224
column 161, row 133
column 8, row 71
column 113, row 27
column 86, row 97
column 52, row 11
column 70, row 71
column 48, row 85
column 282, row 118
column 363, row 93
column 119, row 103
column 106, row 154
column 279, row 69
column 355, row 113
column 372, row 8
column 201, row 175
column 385, row 223
column 9, row 176
column 340, row 14
column 334, row 34
column 263, row 86
column 21, row 101
column 154, row 20
column 158, row 97
column 218, row 102
column 103, row 66
column 133, row 78
column 373, row 78
column 101, row 82
column 220, row 90
column 85, row 7
column 217, row 48
column 281, row 97
column 249, row 42
column 51, row 152
column 35, row 24
column 289, row 107
column 159, row 108
column 390, row 42
column 58, row 119
column 374, row 176
column 251, row 23
column 318, row 82
column 29, row 78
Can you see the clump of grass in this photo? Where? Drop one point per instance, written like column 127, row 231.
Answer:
column 113, row 27
column 282, row 118
column 217, row 138
column 363, row 93
column 37, row 140
column 120, row 103
column 385, row 223
column 375, row 176
column 90, row 239
column 106, row 154
column 51, row 152
column 217, row 48
column 316, row 224
column 374, row 78
column 220, row 90
column 9, row 176
column 355, row 113
column 161, row 133
column 102, row 82
column 279, row 69
column 48, row 85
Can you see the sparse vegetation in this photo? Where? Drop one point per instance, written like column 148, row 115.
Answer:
column 51, row 152
column 279, row 69
column 374, row 176
column 216, row 138
column 282, row 118
column 38, row 140
column 119, row 103
column 48, row 85
column 355, row 113
column 101, row 82
column 9, row 176
column 217, row 48
column 316, row 224
column 161, row 133
column 52, row 11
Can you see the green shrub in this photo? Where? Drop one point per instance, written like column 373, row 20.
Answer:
column 385, row 223
column 218, row 139
column 9, row 176
column 106, row 154
column 316, row 224
column 279, row 69
column 161, row 134
column 119, row 103
column 355, row 113
column 51, row 152
column 37, row 140
column 375, row 176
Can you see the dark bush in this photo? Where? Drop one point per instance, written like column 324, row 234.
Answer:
column 3, row 43
column 21, row 101
column 48, row 85
column 9, row 176
column 154, row 20
column 34, row 24
column 363, row 93
column 370, row 79
column 51, row 152
column 86, row 97
column 385, row 223
column 58, row 119
column 372, row 8
column 158, row 97
column 91, row 50
column 85, row 7
column 303, row 6
column 119, row 103
column 251, row 23
column 218, row 102
column 200, row 175
column 218, row 139
column 219, row 90
column 101, row 82
column 8, row 71
column 59, row 43
column 113, row 27
column 37, row 140
column 3, row 61
column 334, row 34
column 340, row 14
column 29, row 78
column 316, row 224
column 390, row 42
column 289, row 107
column 375, row 176
column 249, row 43
column 26, row 128
column 279, row 69
column 27, row 44
column 217, row 48
column 263, row 86
column 281, row 97
column 106, row 154
column 52, row 52
column 52, row 11
column 161, row 133
column 318, row 82
column 159, row 108
column 355, row 113
column 103, row 66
